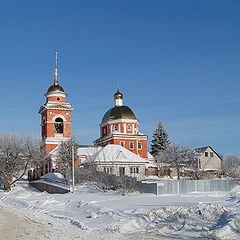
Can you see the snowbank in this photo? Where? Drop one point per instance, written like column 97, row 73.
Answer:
column 138, row 216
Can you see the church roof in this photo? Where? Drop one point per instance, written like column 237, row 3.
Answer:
column 118, row 112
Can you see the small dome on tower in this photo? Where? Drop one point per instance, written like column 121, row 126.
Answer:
column 55, row 88
column 118, row 95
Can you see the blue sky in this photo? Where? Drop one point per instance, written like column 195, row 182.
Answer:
column 177, row 61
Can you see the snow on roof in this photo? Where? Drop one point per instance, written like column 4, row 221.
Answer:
column 54, row 151
column 54, row 176
column 150, row 156
column 115, row 153
column 201, row 150
column 88, row 151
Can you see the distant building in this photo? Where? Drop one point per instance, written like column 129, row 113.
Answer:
column 208, row 159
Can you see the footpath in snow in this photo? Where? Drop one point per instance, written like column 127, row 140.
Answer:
column 88, row 213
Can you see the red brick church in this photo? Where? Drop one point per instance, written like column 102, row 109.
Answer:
column 119, row 125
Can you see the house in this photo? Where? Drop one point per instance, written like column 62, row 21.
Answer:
column 208, row 159
column 119, row 161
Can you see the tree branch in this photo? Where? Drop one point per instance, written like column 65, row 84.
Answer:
column 24, row 171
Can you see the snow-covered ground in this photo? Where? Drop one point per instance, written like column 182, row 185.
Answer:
column 89, row 213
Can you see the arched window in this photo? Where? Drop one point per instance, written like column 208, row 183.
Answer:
column 58, row 125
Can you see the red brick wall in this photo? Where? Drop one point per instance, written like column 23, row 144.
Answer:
column 55, row 98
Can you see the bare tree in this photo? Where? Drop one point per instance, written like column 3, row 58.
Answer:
column 177, row 156
column 65, row 156
column 15, row 153
column 231, row 166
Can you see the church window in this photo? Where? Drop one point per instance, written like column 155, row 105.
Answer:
column 122, row 144
column 115, row 128
column 58, row 99
column 58, row 125
column 206, row 154
column 211, row 154
column 139, row 145
column 104, row 130
column 131, row 145
column 129, row 127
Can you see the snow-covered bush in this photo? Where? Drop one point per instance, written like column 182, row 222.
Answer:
column 105, row 181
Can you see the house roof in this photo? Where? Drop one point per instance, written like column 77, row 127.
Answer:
column 201, row 150
column 88, row 150
column 115, row 154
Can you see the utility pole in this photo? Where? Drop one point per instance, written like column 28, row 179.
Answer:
column 73, row 165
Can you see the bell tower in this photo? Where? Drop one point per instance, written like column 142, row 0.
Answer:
column 55, row 116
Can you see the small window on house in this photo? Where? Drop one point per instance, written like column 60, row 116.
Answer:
column 108, row 170
column 58, row 125
column 134, row 170
column 131, row 145
column 129, row 127
column 211, row 154
column 206, row 154
column 104, row 130
column 122, row 144
column 139, row 145
column 115, row 128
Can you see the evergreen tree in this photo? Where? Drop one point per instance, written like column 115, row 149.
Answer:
column 160, row 140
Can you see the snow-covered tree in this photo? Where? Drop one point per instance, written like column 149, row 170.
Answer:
column 177, row 156
column 15, row 154
column 160, row 140
column 65, row 156
column 231, row 165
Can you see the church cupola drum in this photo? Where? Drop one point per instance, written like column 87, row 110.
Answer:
column 55, row 116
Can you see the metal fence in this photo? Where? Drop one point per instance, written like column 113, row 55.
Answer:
column 185, row 186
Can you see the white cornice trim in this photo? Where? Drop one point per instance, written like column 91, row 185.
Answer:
column 121, row 137
column 58, row 116
column 55, row 94
column 65, row 122
column 121, row 120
